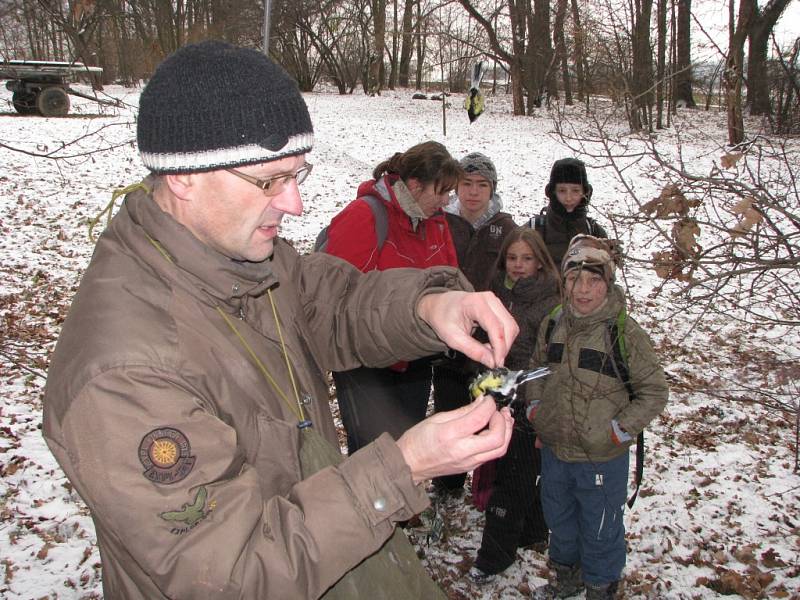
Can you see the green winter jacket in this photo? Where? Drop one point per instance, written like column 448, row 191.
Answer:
column 584, row 393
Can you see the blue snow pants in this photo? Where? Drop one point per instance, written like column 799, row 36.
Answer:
column 583, row 505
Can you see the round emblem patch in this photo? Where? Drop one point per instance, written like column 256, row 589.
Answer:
column 166, row 456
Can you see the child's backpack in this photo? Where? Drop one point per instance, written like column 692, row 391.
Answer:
column 616, row 331
column 539, row 223
column 380, row 215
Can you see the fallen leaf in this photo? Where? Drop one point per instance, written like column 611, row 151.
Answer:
column 772, row 559
column 730, row 159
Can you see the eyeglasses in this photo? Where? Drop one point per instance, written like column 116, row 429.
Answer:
column 272, row 186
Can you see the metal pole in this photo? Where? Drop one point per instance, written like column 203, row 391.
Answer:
column 267, row 4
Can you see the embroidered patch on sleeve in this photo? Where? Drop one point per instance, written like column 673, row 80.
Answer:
column 166, row 456
column 190, row 514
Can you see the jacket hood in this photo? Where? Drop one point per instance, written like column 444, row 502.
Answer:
column 615, row 301
column 393, row 190
column 495, row 206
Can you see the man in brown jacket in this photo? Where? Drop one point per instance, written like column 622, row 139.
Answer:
column 186, row 399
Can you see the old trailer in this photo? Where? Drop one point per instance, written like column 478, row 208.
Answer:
column 43, row 87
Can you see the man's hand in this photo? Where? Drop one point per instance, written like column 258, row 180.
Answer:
column 457, row 441
column 453, row 316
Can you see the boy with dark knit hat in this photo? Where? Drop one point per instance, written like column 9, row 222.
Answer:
column 186, row 399
column 587, row 414
column 569, row 192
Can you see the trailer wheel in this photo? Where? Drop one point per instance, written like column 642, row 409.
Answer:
column 53, row 102
column 24, row 102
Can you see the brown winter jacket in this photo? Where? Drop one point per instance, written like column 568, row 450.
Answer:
column 478, row 250
column 186, row 457
column 529, row 301
column 583, row 393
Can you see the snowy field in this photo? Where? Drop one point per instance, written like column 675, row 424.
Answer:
column 719, row 513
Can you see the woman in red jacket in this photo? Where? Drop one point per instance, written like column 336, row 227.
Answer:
column 405, row 228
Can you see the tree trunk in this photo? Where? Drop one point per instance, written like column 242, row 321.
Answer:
column 737, row 33
column 408, row 44
column 561, row 50
column 394, row 59
column 661, row 59
column 376, row 60
column 578, row 36
column 758, row 41
column 642, row 76
column 540, row 50
column 682, row 86
column 421, row 46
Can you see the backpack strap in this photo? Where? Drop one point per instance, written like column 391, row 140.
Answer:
column 537, row 222
column 616, row 329
column 379, row 214
column 552, row 321
column 594, row 228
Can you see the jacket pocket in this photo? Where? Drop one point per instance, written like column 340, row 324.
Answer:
column 545, row 423
column 276, row 457
column 596, row 440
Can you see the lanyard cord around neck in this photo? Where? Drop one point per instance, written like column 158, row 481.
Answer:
column 299, row 412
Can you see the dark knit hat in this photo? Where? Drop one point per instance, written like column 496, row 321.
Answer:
column 568, row 170
column 480, row 164
column 213, row 105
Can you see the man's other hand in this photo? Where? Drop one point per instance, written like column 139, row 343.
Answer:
column 457, row 441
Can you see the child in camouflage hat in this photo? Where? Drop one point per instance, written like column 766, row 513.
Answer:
column 586, row 418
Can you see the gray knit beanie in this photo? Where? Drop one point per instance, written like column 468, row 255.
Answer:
column 213, row 105
column 480, row 164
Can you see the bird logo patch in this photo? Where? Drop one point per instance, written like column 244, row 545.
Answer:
column 190, row 514
column 165, row 454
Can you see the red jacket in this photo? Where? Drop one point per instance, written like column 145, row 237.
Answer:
column 352, row 235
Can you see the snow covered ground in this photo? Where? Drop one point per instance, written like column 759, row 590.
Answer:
column 719, row 511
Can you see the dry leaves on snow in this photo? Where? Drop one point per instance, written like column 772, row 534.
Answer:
column 730, row 159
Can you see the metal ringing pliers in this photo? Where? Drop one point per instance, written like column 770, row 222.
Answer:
column 501, row 384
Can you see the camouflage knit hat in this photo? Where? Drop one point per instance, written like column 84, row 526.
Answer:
column 476, row 163
column 592, row 254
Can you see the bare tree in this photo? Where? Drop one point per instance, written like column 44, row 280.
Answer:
column 528, row 53
column 725, row 239
column 561, row 49
column 682, row 94
column 78, row 20
column 407, row 48
column 578, row 36
column 376, row 58
column 642, row 77
column 732, row 77
column 761, row 26
column 661, row 60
